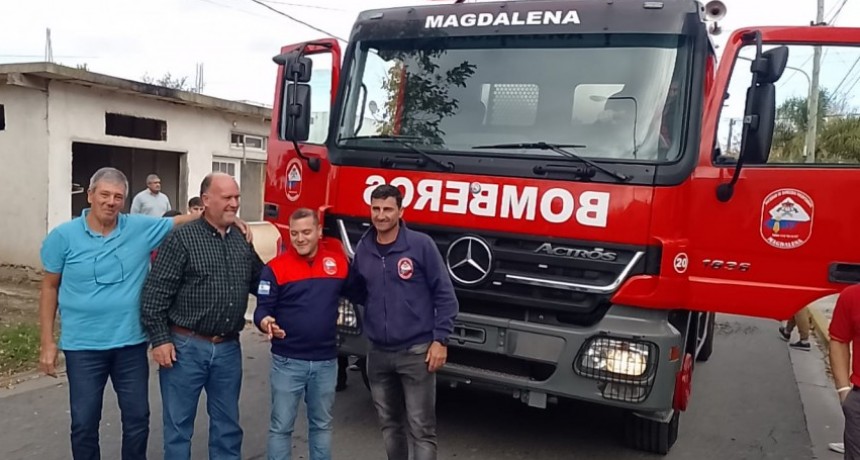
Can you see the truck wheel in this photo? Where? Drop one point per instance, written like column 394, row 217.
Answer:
column 650, row 435
column 708, row 346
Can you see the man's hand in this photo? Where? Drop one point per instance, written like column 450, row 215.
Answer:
column 48, row 359
column 843, row 395
column 245, row 229
column 164, row 355
column 271, row 328
column 437, row 355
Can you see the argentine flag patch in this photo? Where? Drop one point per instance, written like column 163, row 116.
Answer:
column 264, row 288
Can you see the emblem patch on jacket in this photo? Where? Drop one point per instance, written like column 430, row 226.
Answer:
column 329, row 266
column 405, row 268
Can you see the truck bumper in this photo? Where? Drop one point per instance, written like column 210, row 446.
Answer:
column 537, row 362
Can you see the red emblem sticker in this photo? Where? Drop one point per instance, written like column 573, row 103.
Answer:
column 786, row 218
column 294, row 179
column 404, row 268
column 329, row 266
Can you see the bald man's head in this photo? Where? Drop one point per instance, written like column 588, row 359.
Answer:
column 220, row 195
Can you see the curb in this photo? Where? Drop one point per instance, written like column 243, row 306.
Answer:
column 821, row 326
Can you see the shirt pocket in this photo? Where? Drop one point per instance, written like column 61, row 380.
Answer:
column 109, row 268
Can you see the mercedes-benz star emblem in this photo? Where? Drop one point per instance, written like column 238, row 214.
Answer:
column 469, row 260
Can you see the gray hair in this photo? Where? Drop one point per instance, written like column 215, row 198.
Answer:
column 152, row 178
column 110, row 175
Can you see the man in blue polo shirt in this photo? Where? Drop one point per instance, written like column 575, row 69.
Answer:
column 95, row 267
column 297, row 302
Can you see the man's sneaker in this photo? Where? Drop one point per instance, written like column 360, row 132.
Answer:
column 838, row 447
column 784, row 334
column 800, row 345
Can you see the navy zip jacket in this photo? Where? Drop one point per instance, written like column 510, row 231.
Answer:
column 409, row 295
column 303, row 299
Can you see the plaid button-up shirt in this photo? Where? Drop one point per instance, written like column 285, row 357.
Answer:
column 200, row 280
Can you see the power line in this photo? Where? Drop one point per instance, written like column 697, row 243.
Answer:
column 836, row 15
column 856, row 61
column 294, row 19
column 300, row 5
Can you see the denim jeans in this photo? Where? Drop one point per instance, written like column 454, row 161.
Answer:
column 202, row 365
column 88, row 373
column 291, row 379
column 400, row 384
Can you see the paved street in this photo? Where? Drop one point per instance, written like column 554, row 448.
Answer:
column 746, row 405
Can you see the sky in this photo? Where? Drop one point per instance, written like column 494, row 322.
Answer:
column 236, row 39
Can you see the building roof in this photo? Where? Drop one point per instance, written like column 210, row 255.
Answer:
column 38, row 74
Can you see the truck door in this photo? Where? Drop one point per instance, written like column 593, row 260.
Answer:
column 297, row 173
column 788, row 234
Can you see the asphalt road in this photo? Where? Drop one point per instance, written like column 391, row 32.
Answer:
column 746, row 405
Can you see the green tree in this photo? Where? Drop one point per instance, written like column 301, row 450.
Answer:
column 837, row 134
column 425, row 100
column 168, row 81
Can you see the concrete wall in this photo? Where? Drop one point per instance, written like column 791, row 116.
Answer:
column 41, row 178
column 24, row 174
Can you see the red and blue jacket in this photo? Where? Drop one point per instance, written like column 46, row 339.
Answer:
column 302, row 295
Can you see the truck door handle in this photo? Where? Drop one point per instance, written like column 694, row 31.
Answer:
column 842, row 272
column 270, row 211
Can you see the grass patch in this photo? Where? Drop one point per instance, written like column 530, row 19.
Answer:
column 19, row 348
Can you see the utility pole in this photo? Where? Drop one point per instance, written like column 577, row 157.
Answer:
column 812, row 103
column 49, row 48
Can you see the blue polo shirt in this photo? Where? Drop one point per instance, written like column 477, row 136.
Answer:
column 101, row 278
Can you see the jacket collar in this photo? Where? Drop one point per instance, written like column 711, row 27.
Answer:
column 401, row 243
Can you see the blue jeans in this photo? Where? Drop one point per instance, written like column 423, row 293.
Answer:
column 291, row 379
column 217, row 368
column 88, row 373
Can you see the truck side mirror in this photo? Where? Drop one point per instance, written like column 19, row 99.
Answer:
column 295, row 120
column 760, row 115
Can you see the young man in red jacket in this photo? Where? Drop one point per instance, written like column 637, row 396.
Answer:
column 845, row 364
column 297, row 302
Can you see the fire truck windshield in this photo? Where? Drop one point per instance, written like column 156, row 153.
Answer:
column 620, row 95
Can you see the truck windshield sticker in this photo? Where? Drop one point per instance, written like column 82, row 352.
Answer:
column 786, row 221
column 532, row 18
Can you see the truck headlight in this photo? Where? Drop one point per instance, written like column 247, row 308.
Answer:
column 347, row 318
column 619, row 360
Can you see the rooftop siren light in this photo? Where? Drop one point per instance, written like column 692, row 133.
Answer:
column 715, row 11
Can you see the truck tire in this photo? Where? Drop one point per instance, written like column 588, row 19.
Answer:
column 650, row 435
column 708, row 346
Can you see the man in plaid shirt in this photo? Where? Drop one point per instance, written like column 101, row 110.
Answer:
column 193, row 308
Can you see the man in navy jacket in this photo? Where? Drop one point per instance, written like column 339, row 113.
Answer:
column 297, row 302
column 409, row 313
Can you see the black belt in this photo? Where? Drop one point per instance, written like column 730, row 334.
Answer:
column 209, row 338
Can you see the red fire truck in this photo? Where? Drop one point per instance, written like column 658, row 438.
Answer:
column 566, row 157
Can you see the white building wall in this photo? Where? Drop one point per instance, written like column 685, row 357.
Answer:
column 23, row 174
column 42, row 178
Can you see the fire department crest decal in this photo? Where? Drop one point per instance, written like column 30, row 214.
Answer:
column 405, row 268
column 294, row 179
column 786, row 221
column 329, row 266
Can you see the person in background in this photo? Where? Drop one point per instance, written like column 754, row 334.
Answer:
column 802, row 320
column 195, row 206
column 151, row 201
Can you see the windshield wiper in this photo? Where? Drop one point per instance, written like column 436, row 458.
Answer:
column 404, row 141
column 558, row 148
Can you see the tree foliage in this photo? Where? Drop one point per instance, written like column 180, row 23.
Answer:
column 837, row 133
column 416, row 85
column 168, row 81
